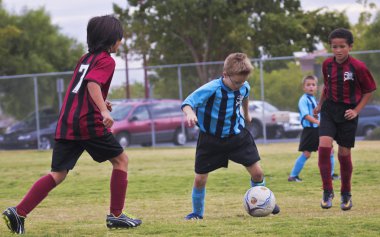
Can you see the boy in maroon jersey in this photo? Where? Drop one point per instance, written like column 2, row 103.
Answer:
column 348, row 86
column 84, row 124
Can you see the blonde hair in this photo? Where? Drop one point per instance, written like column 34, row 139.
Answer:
column 309, row 77
column 237, row 64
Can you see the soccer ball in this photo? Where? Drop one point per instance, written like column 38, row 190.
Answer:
column 259, row 201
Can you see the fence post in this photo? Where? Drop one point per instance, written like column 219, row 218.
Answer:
column 262, row 98
column 179, row 73
column 37, row 111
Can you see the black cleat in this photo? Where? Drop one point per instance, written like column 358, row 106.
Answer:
column 276, row 210
column 14, row 221
column 346, row 201
column 326, row 202
column 122, row 221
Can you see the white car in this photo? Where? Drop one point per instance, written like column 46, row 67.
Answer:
column 277, row 123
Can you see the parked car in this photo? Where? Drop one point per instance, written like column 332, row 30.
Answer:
column 26, row 139
column 293, row 127
column 136, row 120
column 262, row 113
column 369, row 119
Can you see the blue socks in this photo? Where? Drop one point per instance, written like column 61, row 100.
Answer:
column 262, row 183
column 300, row 162
column 198, row 196
column 332, row 163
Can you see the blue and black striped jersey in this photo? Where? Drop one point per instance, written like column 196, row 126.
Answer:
column 218, row 108
column 306, row 105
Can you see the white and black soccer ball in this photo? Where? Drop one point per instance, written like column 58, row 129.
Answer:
column 259, row 201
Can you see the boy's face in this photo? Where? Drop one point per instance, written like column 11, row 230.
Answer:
column 310, row 87
column 234, row 82
column 340, row 49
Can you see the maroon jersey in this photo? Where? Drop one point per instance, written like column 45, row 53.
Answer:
column 346, row 82
column 80, row 118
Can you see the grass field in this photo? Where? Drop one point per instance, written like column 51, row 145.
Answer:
column 159, row 192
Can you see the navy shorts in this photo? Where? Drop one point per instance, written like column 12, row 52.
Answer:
column 214, row 152
column 309, row 140
column 67, row 152
column 333, row 123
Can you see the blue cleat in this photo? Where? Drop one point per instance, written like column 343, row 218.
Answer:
column 276, row 210
column 193, row 216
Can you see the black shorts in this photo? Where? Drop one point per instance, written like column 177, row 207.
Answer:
column 67, row 152
column 214, row 152
column 309, row 140
column 333, row 123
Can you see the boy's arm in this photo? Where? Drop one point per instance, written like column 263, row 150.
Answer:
column 352, row 113
column 245, row 108
column 191, row 117
column 312, row 119
column 96, row 95
column 321, row 101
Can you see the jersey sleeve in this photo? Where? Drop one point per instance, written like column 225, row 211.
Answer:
column 102, row 71
column 367, row 83
column 200, row 95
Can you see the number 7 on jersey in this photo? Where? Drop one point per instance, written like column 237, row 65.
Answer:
column 83, row 69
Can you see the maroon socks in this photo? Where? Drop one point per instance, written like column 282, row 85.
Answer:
column 118, row 187
column 324, row 164
column 36, row 194
column 345, row 173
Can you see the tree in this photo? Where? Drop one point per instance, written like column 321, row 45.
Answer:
column 195, row 31
column 29, row 43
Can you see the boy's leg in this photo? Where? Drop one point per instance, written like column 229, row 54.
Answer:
column 324, row 164
column 298, row 166
column 198, row 197
column 344, row 156
column 15, row 216
column 118, row 183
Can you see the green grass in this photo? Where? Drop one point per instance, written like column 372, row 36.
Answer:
column 159, row 192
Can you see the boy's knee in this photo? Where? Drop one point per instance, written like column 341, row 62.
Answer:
column 120, row 161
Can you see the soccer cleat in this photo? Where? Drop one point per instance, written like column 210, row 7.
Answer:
column 193, row 216
column 276, row 210
column 294, row 179
column 122, row 221
column 327, row 199
column 335, row 177
column 346, row 201
column 14, row 221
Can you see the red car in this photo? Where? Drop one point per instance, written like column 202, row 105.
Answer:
column 151, row 121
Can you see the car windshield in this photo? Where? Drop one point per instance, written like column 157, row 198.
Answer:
column 259, row 105
column 120, row 111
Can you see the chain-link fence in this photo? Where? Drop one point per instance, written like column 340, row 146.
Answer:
column 29, row 104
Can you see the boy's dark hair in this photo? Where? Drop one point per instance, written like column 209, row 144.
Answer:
column 342, row 34
column 103, row 32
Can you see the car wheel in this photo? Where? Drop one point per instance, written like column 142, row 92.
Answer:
column 368, row 130
column 180, row 138
column 45, row 143
column 123, row 139
column 255, row 128
column 279, row 132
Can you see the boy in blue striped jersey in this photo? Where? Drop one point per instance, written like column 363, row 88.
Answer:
column 216, row 108
column 309, row 140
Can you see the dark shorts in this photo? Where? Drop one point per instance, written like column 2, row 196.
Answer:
column 214, row 152
column 67, row 152
column 309, row 140
column 333, row 123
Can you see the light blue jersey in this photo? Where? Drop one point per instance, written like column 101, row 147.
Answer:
column 218, row 108
column 306, row 105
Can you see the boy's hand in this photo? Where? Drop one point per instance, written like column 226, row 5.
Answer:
column 107, row 119
column 350, row 114
column 316, row 111
column 109, row 105
column 191, row 119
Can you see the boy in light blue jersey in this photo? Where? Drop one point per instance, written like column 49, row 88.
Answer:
column 310, row 135
column 216, row 108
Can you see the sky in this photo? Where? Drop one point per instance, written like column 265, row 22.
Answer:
column 71, row 16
